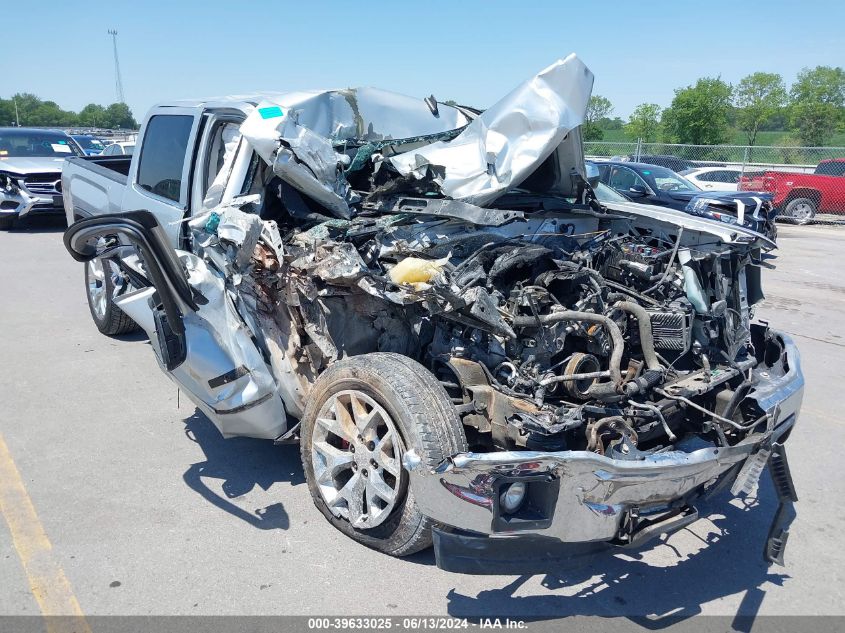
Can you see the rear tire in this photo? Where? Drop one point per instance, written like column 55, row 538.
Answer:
column 387, row 394
column 800, row 211
column 102, row 281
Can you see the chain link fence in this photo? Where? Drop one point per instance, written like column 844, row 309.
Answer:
column 807, row 184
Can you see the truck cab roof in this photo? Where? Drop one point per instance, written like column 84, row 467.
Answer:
column 362, row 113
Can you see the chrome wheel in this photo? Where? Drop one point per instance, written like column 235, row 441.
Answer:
column 356, row 454
column 97, row 287
column 803, row 212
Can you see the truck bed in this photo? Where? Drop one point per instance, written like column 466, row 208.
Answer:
column 112, row 167
column 93, row 185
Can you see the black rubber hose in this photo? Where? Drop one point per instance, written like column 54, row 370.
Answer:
column 600, row 391
column 646, row 336
column 650, row 379
column 632, row 293
column 736, row 398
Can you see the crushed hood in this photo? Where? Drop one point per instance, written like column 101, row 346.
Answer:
column 317, row 141
column 508, row 142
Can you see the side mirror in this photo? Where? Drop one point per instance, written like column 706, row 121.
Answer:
column 593, row 176
column 637, row 191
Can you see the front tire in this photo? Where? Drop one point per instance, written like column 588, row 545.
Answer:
column 801, row 211
column 362, row 414
column 103, row 283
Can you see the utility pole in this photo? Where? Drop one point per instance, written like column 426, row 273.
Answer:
column 17, row 117
column 118, row 82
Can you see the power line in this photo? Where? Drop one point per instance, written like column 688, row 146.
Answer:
column 118, row 82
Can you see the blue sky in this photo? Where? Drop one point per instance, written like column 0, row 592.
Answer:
column 473, row 52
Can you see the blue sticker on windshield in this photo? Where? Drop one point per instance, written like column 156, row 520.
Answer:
column 270, row 113
column 646, row 172
column 63, row 142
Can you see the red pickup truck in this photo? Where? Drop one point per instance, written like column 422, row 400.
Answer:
column 800, row 196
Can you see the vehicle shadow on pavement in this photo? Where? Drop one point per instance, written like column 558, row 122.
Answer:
column 241, row 463
column 42, row 224
column 729, row 562
column 132, row 337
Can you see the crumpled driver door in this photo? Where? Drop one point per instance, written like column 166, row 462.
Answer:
column 199, row 338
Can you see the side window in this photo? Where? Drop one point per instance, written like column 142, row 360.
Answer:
column 163, row 152
column 833, row 168
column 623, row 178
column 721, row 175
column 638, row 180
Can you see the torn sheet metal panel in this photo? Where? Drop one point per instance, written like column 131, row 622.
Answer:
column 660, row 216
column 504, row 145
column 224, row 373
column 242, row 230
column 219, row 343
column 300, row 157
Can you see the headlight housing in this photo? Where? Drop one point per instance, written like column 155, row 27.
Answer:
column 8, row 184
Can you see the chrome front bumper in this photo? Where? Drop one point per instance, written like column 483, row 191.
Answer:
column 579, row 496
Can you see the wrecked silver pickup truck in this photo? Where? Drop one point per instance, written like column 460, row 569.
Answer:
column 471, row 348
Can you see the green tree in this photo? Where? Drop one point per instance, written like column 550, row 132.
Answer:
column 699, row 113
column 49, row 114
column 33, row 111
column 597, row 109
column 7, row 112
column 28, row 105
column 817, row 105
column 119, row 115
column 778, row 122
column 615, row 123
column 758, row 98
column 92, row 115
column 644, row 122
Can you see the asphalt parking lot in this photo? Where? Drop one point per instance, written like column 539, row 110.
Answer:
column 149, row 511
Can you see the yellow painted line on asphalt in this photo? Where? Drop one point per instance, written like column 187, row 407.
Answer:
column 47, row 581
